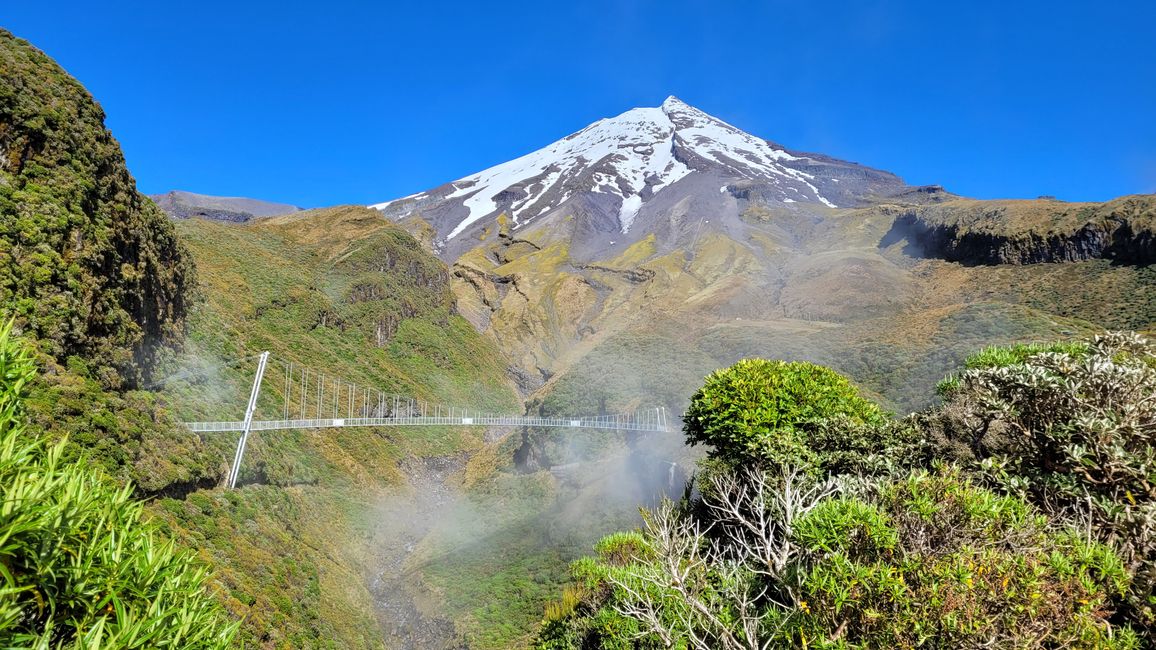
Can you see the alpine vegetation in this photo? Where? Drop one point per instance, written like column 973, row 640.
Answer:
column 1019, row 513
column 79, row 568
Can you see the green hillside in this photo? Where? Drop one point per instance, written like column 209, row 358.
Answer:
column 351, row 296
column 89, row 266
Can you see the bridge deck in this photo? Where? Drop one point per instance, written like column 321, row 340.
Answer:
column 609, row 422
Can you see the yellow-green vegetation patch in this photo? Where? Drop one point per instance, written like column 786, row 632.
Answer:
column 539, row 262
column 635, row 254
column 758, row 213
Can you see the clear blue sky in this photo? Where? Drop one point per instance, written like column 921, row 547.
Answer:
column 340, row 102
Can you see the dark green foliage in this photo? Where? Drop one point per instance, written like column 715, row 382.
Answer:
column 277, row 593
column 880, row 448
column 78, row 566
column 94, row 275
column 131, row 435
column 88, row 266
column 763, row 411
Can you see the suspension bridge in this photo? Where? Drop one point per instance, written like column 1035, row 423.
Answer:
column 314, row 400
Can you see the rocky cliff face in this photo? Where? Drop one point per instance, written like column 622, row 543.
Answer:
column 88, row 266
column 1031, row 232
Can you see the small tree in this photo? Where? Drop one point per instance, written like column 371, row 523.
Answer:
column 765, row 412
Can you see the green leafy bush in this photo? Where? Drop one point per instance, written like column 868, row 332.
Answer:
column 934, row 559
column 78, row 566
column 1002, row 356
column 764, row 411
column 929, row 560
column 1073, row 430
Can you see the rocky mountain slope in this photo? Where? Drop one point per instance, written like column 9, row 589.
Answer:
column 617, row 267
column 184, row 205
column 668, row 225
column 623, row 174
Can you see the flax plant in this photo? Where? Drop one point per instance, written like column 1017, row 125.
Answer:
column 80, row 567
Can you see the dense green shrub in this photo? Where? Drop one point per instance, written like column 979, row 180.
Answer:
column 1002, row 356
column 764, row 411
column 78, row 566
column 930, row 560
column 879, row 448
column 88, row 265
column 936, row 560
column 1074, row 431
column 131, row 435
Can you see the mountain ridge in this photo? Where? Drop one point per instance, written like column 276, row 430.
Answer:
column 180, row 204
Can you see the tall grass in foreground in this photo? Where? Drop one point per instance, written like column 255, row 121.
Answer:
column 78, row 566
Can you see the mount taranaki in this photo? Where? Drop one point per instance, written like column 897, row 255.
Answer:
column 624, row 174
column 666, row 237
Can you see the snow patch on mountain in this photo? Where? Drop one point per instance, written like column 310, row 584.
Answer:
column 630, row 157
column 628, row 150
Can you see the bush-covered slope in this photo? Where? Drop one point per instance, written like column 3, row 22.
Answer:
column 89, row 266
column 94, row 274
column 301, row 549
column 1021, row 513
column 80, row 569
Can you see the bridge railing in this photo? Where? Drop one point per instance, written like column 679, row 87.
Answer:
column 653, row 423
column 306, row 391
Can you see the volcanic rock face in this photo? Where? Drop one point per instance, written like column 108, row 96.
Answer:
column 1031, row 232
column 619, row 173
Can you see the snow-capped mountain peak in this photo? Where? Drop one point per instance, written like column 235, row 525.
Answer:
column 618, row 165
